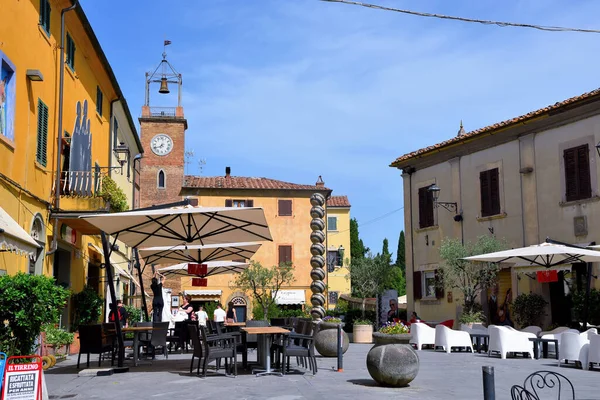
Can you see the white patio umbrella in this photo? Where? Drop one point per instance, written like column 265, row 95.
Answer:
column 547, row 255
column 213, row 268
column 199, row 254
column 180, row 225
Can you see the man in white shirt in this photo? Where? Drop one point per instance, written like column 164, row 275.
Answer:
column 219, row 314
column 202, row 316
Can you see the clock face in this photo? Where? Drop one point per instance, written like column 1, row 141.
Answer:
column 161, row 144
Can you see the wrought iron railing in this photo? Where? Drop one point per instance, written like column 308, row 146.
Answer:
column 80, row 183
column 163, row 112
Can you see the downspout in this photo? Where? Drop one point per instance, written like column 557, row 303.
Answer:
column 60, row 124
column 111, row 143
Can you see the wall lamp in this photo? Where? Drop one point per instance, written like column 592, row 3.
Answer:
column 435, row 192
column 34, row 75
column 122, row 152
column 598, row 148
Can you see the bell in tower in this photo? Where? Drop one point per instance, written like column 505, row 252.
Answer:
column 163, row 74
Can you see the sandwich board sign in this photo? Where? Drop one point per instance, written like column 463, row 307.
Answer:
column 22, row 378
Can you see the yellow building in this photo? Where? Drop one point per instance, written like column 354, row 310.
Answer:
column 338, row 248
column 32, row 91
column 287, row 209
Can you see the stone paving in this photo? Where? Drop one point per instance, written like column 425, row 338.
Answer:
column 441, row 376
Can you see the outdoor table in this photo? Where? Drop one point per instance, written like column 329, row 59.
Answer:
column 137, row 331
column 235, row 324
column 544, row 343
column 264, row 345
column 478, row 339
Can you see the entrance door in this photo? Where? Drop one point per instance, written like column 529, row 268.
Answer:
column 560, row 306
column 240, row 313
column 62, row 274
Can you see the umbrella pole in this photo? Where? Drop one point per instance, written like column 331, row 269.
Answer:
column 111, row 288
column 139, row 269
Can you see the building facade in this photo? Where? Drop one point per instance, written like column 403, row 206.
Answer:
column 46, row 183
column 523, row 180
column 338, row 248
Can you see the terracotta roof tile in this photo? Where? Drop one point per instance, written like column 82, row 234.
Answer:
column 496, row 126
column 338, row 201
column 240, row 182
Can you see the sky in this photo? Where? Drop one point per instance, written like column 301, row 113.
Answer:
column 294, row 89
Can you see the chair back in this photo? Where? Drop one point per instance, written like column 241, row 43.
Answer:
column 144, row 335
column 588, row 334
column 204, row 344
column 159, row 333
column 594, row 349
column 90, row 338
column 193, row 333
column 277, row 321
column 548, row 384
column 253, row 338
column 532, row 329
column 520, row 393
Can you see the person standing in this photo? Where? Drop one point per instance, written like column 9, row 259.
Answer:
column 187, row 307
column 202, row 316
column 393, row 313
column 121, row 312
column 219, row 315
column 157, row 301
column 231, row 315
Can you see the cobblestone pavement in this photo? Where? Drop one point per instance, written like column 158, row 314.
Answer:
column 441, row 376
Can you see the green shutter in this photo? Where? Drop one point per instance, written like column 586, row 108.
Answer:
column 99, row 100
column 45, row 15
column 41, row 154
column 70, row 52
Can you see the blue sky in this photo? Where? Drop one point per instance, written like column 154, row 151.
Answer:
column 293, row 89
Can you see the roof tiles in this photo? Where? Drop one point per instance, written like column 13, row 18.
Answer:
column 240, row 182
column 338, row 201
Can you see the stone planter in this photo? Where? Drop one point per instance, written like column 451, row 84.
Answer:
column 326, row 339
column 392, row 361
column 362, row 333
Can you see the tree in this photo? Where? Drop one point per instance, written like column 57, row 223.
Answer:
column 470, row 278
column 264, row 283
column 397, row 280
column 369, row 275
column 386, row 248
column 357, row 247
column 401, row 255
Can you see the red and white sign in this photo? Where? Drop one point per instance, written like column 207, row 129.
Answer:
column 203, row 282
column 547, row 276
column 197, row 269
column 22, row 381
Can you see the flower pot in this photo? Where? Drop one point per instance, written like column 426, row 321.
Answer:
column 362, row 333
column 74, row 347
column 392, row 361
column 326, row 339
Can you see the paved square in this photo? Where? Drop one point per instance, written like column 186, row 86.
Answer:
column 441, row 376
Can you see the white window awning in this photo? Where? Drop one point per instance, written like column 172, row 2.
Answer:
column 13, row 238
column 293, row 296
column 205, row 292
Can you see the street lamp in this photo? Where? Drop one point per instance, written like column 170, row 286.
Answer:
column 435, row 192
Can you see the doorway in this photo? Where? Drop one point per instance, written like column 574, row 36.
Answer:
column 560, row 302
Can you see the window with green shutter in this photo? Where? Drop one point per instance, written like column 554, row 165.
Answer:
column 45, row 15
column 70, row 52
column 99, row 100
column 41, row 154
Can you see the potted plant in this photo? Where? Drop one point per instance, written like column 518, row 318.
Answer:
column 529, row 309
column 392, row 361
column 57, row 341
column 362, row 331
column 471, row 318
column 326, row 337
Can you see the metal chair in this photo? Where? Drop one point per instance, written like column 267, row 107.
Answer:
column 250, row 341
column 541, row 384
column 212, row 348
column 93, row 341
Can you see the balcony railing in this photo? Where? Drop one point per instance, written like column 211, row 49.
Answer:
column 163, row 112
column 80, row 183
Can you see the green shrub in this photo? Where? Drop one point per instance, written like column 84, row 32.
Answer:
column 257, row 311
column 56, row 336
column 294, row 313
column 26, row 303
column 88, row 307
column 114, row 195
column 363, row 322
column 133, row 314
column 472, row 317
column 578, row 298
column 528, row 309
column 354, row 314
column 210, row 308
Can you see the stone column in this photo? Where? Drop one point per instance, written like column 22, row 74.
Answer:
column 317, row 261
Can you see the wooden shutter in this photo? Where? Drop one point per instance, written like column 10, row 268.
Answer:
column 489, row 187
column 285, row 208
column 577, row 173
column 425, row 208
column 229, row 203
column 249, row 203
column 42, row 134
column 417, row 285
column 494, row 191
column 285, row 254
column 439, row 289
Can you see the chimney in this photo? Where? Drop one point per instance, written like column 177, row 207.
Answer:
column 227, row 172
column 320, row 182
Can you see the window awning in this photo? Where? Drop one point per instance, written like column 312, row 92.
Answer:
column 13, row 238
column 116, row 265
column 204, row 293
column 293, row 296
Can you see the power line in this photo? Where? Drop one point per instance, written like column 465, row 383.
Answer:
column 463, row 19
column 371, row 220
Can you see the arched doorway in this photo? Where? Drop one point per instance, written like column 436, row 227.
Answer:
column 38, row 233
column 240, row 304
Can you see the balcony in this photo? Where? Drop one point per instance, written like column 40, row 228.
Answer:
column 162, row 112
column 79, row 190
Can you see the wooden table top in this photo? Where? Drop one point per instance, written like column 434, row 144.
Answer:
column 262, row 330
column 235, row 324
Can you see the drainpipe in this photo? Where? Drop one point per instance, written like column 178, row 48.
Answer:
column 60, row 123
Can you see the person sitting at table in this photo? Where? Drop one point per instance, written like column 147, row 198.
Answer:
column 121, row 312
column 414, row 318
column 219, row 315
column 231, row 316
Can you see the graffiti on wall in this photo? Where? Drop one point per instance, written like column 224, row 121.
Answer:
column 80, row 158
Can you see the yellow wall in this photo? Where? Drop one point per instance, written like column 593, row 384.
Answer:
column 337, row 280
column 27, row 46
column 289, row 230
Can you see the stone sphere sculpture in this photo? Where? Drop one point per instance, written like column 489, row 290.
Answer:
column 317, row 199
column 317, row 274
column 317, row 224
column 317, row 287
column 317, row 249
column 392, row 361
column 317, row 261
column 317, row 237
column 317, row 212
column 326, row 340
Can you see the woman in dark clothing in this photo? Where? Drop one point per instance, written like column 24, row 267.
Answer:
column 157, row 301
column 231, row 316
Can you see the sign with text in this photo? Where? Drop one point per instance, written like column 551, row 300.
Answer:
column 197, row 269
column 22, row 380
column 201, row 282
column 547, row 276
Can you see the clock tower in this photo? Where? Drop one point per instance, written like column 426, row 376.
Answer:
column 162, row 133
